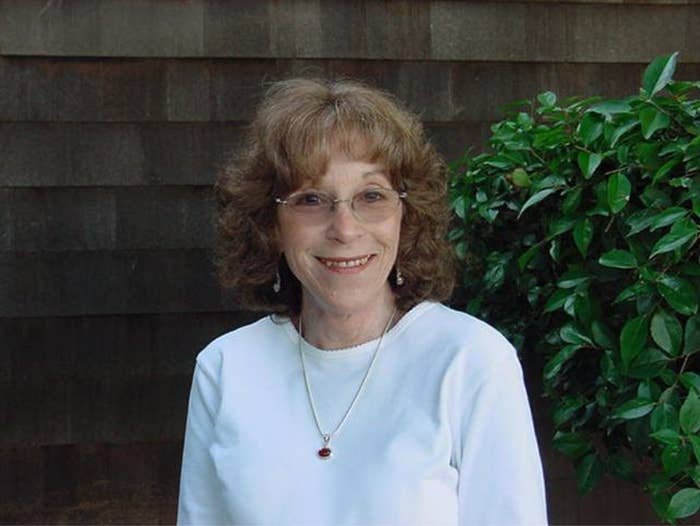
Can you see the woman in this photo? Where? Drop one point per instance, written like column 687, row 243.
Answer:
column 361, row 399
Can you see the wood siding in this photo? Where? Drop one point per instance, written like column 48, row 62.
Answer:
column 114, row 118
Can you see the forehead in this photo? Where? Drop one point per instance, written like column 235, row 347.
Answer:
column 347, row 153
column 341, row 171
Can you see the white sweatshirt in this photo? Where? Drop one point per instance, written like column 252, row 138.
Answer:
column 441, row 434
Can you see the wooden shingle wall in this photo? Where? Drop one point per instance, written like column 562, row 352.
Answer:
column 114, row 115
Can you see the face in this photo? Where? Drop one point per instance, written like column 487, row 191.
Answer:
column 342, row 263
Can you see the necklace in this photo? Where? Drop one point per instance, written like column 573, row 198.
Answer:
column 326, row 452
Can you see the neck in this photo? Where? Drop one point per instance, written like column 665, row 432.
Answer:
column 329, row 330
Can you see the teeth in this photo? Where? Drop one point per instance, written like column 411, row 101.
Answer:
column 346, row 264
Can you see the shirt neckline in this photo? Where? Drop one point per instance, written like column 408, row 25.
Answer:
column 363, row 348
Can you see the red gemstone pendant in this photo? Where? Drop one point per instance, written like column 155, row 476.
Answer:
column 325, row 453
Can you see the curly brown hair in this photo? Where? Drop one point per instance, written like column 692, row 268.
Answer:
column 298, row 125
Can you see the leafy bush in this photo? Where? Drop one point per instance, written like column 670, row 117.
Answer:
column 579, row 231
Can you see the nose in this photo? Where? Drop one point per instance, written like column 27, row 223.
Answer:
column 344, row 225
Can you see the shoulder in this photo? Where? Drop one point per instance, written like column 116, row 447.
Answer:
column 461, row 337
column 238, row 342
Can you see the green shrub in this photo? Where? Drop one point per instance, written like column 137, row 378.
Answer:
column 579, row 231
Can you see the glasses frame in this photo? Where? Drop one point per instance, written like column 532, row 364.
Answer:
column 334, row 202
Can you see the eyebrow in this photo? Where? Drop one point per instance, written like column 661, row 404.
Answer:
column 376, row 172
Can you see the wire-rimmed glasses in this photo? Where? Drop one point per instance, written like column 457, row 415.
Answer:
column 370, row 205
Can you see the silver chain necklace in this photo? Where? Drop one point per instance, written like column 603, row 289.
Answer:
column 326, row 452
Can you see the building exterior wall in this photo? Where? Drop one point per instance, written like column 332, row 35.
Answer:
column 114, row 116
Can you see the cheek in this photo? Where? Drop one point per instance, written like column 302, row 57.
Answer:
column 396, row 234
column 286, row 235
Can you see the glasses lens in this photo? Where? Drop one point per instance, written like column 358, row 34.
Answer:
column 370, row 205
column 310, row 203
column 375, row 204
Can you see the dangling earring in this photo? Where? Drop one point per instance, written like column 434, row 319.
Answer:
column 277, row 285
column 399, row 277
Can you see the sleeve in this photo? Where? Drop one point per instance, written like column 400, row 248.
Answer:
column 200, row 501
column 500, row 473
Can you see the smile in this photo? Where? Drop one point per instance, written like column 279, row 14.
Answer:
column 338, row 263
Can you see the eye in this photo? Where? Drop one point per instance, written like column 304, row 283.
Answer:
column 308, row 199
column 373, row 195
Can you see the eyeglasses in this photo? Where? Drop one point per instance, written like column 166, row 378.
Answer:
column 370, row 205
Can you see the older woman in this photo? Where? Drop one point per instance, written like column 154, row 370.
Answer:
column 360, row 399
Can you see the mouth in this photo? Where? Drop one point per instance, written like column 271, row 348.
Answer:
column 338, row 264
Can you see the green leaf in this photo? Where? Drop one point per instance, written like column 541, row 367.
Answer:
column 632, row 339
column 691, row 381
column 695, row 475
column 602, row 397
column 666, row 436
column 636, row 290
column 695, row 443
column 653, row 196
column 635, row 408
column 659, row 498
column 647, row 364
column 692, row 335
column 622, row 128
column 590, row 128
column 554, row 365
column 619, row 189
column 536, row 198
column 547, row 98
column 665, row 416
column 459, row 205
column 652, row 120
column 583, row 235
column 570, row 334
column 571, row 444
column 461, row 250
column 667, row 332
column 675, row 459
column 667, row 217
column 608, row 369
column 556, row 301
column 588, row 472
column 617, row 258
column 572, row 279
column 584, row 309
column 640, row 221
column 572, row 201
column 679, row 293
column 602, row 335
column 689, row 415
column 588, row 163
column 610, row 107
column 665, row 169
column 658, row 74
column 551, row 181
column 527, row 256
column 560, row 226
column 684, row 503
column 494, row 275
column 566, row 409
column 680, row 233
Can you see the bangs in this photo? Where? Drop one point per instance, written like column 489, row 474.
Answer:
column 355, row 129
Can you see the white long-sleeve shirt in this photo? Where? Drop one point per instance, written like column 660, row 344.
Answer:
column 441, row 434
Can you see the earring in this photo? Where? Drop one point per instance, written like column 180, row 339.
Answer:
column 399, row 278
column 277, row 285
